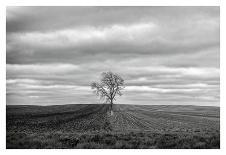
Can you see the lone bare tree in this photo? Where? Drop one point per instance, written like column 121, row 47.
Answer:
column 110, row 85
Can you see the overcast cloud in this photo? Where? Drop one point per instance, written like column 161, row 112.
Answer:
column 167, row 55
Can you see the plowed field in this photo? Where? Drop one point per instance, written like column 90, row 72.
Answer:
column 31, row 126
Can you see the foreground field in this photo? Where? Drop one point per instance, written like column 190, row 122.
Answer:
column 131, row 126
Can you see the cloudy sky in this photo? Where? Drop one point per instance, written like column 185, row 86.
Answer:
column 167, row 55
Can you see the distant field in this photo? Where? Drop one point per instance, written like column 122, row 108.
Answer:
column 131, row 126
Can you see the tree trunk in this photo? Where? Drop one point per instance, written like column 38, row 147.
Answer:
column 111, row 110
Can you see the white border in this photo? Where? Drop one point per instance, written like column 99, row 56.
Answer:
column 107, row 3
column 113, row 2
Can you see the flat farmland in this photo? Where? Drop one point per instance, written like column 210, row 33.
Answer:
column 166, row 118
column 131, row 126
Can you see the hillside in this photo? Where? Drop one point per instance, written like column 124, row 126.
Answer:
column 77, row 120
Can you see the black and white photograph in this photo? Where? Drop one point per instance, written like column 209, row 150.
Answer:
column 112, row 77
